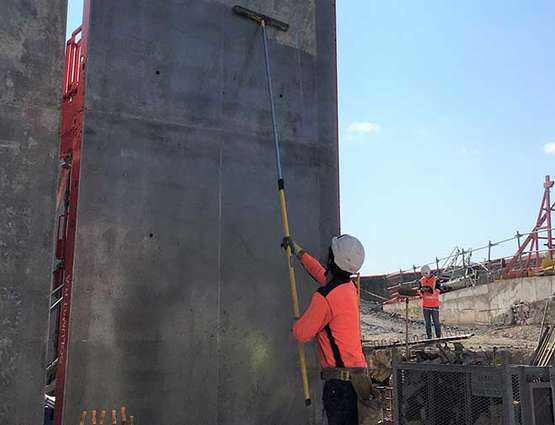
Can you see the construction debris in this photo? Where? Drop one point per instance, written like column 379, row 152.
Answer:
column 376, row 346
column 546, row 347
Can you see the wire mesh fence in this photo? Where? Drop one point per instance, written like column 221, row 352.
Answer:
column 430, row 394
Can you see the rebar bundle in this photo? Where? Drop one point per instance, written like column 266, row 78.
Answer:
column 545, row 349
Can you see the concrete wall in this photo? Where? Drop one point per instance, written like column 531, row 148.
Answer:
column 181, row 307
column 31, row 65
column 485, row 304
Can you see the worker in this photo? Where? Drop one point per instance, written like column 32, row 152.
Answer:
column 428, row 289
column 333, row 318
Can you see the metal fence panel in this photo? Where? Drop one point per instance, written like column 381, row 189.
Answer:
column 433, row 394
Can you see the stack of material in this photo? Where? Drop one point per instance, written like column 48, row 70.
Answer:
column 545, row 349
column 124, row 419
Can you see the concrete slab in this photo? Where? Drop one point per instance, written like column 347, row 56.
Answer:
column 31, row 66
column 181, row 306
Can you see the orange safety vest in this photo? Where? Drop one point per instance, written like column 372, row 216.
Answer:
column 429, row 300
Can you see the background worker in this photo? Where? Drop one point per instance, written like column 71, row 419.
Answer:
column 429, row 291
column 333, row 318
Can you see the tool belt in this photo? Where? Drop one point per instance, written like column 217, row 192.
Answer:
column 342, row 373
column 360, row 380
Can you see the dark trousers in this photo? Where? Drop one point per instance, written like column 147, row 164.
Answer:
column 340, row 403
column 432, row 314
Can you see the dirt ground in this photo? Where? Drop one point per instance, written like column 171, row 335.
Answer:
column 379, row 327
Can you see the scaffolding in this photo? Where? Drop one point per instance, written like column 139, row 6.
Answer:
column 530, row 256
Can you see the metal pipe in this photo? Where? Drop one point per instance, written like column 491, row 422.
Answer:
column 52, row 364
column 56, row 290
column 53, row 306
column 384, row 344
column 489, row 251
column 271, row 95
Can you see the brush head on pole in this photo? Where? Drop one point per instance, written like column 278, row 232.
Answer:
column 259, row 18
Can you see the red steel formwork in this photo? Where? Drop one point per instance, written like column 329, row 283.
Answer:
column 528, row 258
column 73, row 102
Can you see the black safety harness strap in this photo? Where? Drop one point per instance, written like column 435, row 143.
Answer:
column 334, row 348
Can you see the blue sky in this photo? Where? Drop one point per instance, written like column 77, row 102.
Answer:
column 446, row 122
column 446, row 118
column 74, row 15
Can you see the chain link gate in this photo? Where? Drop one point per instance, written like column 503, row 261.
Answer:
column 435, row 394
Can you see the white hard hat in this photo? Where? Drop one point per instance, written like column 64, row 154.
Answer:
column 348, row 253
column 425, row 269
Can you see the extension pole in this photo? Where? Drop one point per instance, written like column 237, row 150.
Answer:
column 284, row 219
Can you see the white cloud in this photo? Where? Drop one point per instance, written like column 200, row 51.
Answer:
column 463, row 150
column 549, row 148
column 362, row 127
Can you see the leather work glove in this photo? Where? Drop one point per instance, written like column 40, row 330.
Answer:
column 296, row 249
column 367, row 394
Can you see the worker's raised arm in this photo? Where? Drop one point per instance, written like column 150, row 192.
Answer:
column 313, row 267
column 309, row 263
column 314, row 319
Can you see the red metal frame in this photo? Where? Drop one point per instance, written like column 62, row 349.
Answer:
column 73, row 103
column 530, row 251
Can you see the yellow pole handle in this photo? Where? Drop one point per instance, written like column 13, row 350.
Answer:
column 294, row 296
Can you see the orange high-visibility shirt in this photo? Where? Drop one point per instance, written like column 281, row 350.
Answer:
column 333, row 309
column 429, row 300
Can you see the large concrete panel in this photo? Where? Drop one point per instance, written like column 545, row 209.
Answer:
column 181, row 307
column 31, row 68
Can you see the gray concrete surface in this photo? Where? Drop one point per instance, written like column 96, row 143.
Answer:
column 31, row 65
column 181, row 307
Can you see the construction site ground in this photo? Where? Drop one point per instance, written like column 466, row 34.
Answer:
column 379, row 327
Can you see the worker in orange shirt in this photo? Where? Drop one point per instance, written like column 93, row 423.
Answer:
column 333, row 318
column 428, row 286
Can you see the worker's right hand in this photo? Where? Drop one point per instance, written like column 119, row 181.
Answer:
column 296, row 249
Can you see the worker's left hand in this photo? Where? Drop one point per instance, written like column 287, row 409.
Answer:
column 296, row 249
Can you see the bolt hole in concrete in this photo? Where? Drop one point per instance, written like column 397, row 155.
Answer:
column 280, row 95
column 151, row 235
column 157, row 72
